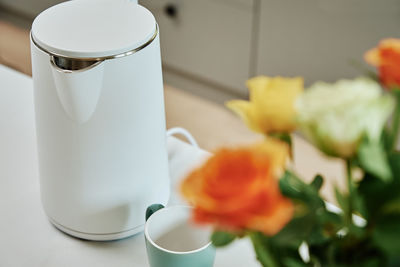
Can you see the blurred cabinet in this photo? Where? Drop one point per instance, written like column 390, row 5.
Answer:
column 210, row 40
column 211, row 47
column 28, row 8
column 319, row 39
column 224, row 42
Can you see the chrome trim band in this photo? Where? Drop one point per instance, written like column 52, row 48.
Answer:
column 92, row 65
column 97, row 236
column 130, row 52
column 100, row 234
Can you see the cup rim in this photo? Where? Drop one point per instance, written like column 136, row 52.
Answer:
column 147, row 236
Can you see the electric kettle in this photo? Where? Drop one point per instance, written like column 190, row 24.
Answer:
column 100, row 119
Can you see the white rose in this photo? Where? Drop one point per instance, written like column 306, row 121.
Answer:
column 335, row 117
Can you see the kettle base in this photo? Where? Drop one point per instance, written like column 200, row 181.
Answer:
column 95, row 236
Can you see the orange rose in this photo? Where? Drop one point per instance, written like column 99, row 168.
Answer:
column 386, row 57
column 239, row 189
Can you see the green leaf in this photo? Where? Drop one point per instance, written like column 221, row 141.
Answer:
column 372, row 262
column 317, row 182
column 317, row 236
column 380, row 197
column 387, row 234
column 288, row 188
column 357, row 231
column 331, row 223
column 294, row 188
column 296, row 231
column 372, row 158
column 394, row 160
column 264, row 256
column 377, row 194
column 290, row 262
column 394, row 261
column 222, row 238
column 392, row 207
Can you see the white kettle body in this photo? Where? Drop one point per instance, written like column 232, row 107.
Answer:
column 100, row 118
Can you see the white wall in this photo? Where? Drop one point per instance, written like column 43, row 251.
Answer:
column 317, row 39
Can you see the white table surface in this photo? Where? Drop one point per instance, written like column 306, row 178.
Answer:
column 26, row 236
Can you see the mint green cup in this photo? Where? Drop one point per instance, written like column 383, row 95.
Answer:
column 173, row 241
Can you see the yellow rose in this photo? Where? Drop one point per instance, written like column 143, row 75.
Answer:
column 271, row 106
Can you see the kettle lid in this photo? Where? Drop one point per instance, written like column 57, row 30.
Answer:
column 93, row 28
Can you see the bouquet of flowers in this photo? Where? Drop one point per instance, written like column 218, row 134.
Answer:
column 252, row 192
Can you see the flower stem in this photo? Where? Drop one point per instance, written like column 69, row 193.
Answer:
column 349, row 176
column 284, row 137
column 351, row 191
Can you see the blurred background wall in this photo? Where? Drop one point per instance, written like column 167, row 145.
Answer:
column 210, row 47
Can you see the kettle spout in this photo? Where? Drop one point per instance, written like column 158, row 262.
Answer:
column 78, row 86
